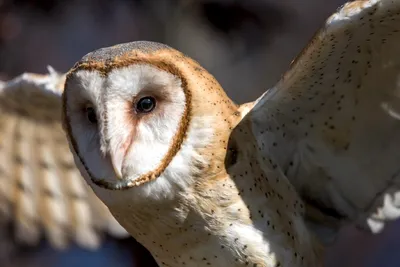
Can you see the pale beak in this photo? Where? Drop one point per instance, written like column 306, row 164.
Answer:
column 116, row 162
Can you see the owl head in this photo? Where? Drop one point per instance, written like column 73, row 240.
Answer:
column 146, row 121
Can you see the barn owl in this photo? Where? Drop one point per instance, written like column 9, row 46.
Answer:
column 41, row 191
column 201, row 181
column 149, row 130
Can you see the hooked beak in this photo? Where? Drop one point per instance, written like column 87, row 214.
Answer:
column 116, row 162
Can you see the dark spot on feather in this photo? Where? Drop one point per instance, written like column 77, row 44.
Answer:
column 44, row 165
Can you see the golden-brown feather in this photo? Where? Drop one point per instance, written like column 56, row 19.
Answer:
column 224, row 213
column 332, row 123
column 243, row 211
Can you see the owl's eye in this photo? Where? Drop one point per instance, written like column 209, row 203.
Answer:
column 91, row 115
column 146, row 104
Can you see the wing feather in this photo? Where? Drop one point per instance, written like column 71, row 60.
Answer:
column 52, row 207
column 7, row 128
column 331, row 120
column 26, row 212
column 82, row 222
column 41, row 190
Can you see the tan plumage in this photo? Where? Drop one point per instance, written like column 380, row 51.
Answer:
column 41, row 191
column 194, row 207
column 202, row 181
column 332, row 121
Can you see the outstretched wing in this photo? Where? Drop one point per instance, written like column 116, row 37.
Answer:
column 41, row 191
column 332, row 121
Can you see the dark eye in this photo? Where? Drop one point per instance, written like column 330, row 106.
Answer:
column 146, row 104
column 91, row 115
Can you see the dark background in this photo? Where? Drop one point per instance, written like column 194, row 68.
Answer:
column 246, row 45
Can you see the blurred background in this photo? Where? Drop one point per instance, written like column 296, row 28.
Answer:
column 246, row 45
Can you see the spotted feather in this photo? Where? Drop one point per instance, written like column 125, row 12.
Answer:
column 332, row 121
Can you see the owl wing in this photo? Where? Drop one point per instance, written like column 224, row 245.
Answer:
column 332, row 121
column 41, row 191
